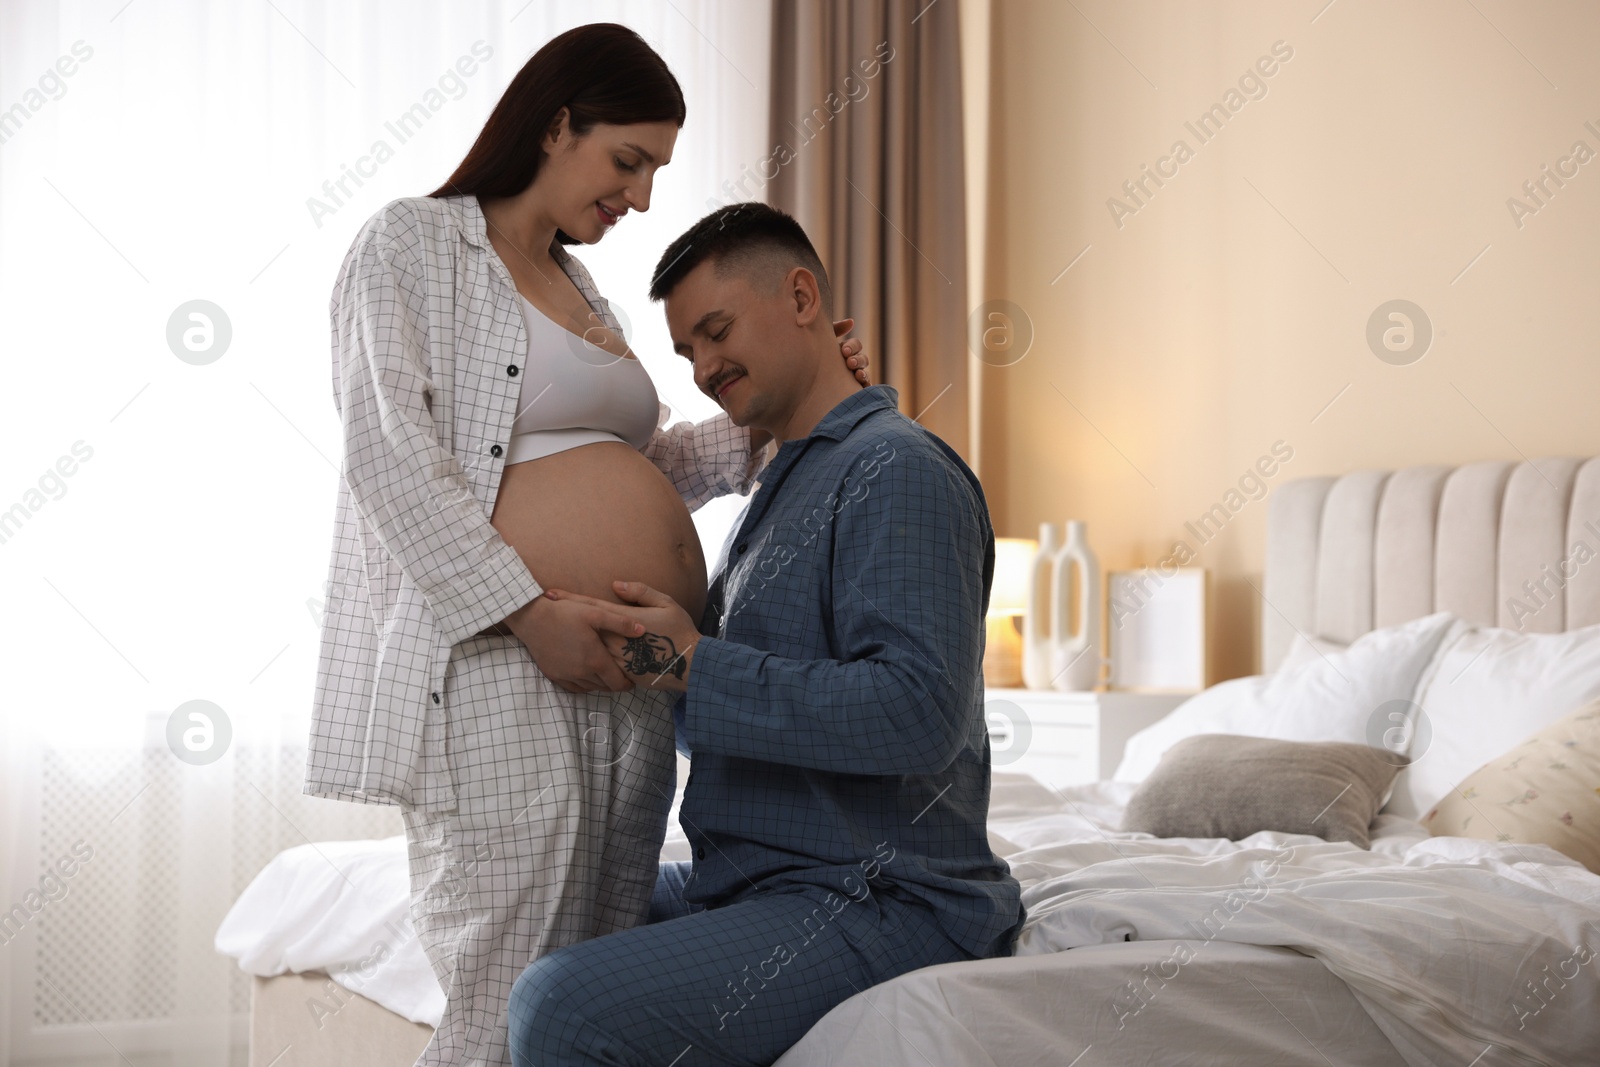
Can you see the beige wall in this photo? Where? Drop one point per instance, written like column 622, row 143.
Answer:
column 1226, row 313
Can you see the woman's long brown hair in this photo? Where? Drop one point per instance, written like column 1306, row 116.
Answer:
column 601, row 73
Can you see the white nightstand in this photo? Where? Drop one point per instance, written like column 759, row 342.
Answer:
column 1067, row 738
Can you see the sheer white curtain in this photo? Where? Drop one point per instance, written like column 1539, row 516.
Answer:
column 165, row 522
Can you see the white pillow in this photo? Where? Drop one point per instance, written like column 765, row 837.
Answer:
column 1489, row 689
column 1304, row 649
column 1329, row 698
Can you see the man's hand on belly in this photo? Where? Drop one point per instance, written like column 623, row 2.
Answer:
column 660, row 657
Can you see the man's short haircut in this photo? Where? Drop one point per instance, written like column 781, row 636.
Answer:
column 750, row 239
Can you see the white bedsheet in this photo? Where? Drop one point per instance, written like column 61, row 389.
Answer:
column 339, row 907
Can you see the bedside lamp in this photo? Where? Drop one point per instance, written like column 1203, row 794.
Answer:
column 1008, row 599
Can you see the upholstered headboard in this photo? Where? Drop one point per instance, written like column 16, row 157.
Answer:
column 1504, row 544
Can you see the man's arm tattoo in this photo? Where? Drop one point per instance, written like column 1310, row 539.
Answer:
column 654, row 654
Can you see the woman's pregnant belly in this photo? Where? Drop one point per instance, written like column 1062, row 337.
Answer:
column 588, row 516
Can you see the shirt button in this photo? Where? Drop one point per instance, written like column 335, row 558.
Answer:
column 436, row 698
column 699, row 853
column 511, row 371
column 742, row 548
column 495, row 451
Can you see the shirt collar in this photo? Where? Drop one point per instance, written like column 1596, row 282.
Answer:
column 473, row 225
column 838, row 423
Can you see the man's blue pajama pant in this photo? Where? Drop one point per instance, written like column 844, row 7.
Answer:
column 734, row 984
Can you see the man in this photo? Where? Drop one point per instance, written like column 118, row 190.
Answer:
column 834, row 708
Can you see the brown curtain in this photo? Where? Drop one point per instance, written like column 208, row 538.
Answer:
column 867, row 145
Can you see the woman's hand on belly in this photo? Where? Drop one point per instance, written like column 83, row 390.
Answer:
column 564, row 638
column 661, row 655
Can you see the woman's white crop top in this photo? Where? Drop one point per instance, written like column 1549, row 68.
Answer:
column 574, row 393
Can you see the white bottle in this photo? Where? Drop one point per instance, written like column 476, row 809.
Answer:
column 1075, row 655
column 1036, row 634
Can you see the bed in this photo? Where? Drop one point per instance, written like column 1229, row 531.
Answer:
column 1408, row 586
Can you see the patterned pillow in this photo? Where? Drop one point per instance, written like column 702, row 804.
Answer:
column 1546, row 791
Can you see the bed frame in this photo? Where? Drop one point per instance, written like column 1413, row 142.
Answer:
column 307, row 1020
column 1345, row 556
column 1491, row 542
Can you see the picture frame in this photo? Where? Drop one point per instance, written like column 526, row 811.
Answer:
column 1156, row 630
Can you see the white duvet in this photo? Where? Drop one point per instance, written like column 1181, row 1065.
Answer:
column 1461, row 951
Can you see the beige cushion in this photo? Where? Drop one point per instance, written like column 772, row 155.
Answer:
column 1545, row 791
column 1225, row 785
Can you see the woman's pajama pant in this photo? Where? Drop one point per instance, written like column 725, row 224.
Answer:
column 561, row 808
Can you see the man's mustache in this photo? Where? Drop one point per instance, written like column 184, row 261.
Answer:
column 715, row 385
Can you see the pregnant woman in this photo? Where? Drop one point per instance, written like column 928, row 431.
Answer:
column 499, row 438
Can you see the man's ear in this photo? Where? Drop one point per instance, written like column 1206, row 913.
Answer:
column 801, row 285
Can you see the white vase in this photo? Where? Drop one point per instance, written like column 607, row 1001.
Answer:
column 1036, row 634
column 1075, row 655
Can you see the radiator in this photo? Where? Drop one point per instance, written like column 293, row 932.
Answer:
column 124, row 864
